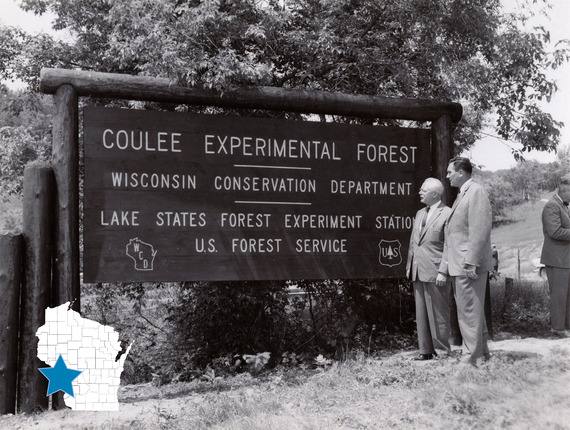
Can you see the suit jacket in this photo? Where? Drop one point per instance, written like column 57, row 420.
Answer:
column 426, row 248
column 556, row 229
column 468, row 232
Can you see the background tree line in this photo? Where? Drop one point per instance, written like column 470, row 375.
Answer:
column 527, row 181
column 453, row 50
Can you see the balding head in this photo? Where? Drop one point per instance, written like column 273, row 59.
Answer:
column 431, row 191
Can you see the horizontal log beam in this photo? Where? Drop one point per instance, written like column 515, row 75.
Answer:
column 113, row 85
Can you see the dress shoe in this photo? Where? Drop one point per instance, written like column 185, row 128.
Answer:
column 423, row 357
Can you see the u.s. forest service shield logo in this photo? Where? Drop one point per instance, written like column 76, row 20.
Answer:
column 390, row 253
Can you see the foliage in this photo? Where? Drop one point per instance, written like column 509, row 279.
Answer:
column 462, row 50
column 219, row 318
column 524, row 310
column 563, row 155
column 230, row 327
column 524, row 182
column 25, row 136
column 169, row 350
column 10, row 220
column 136, row 311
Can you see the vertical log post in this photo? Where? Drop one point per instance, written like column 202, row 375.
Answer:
column 442, row 152
column 11, row 248
column 487, row 308
column 65, row 161
column 36, row 286
column 508, row 297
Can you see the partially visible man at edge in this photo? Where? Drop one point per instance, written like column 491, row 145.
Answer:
column 467, row 257
column 556, row 256
column 424, row 258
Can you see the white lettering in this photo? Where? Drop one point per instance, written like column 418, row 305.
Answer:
column 256, row 246
column 141, row 140
column 321, row 245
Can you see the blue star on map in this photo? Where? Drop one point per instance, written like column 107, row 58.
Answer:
column 60, row 377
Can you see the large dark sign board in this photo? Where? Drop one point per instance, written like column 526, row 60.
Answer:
column 176, row 197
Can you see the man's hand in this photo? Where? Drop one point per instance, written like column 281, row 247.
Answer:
column 470, row 270
column 440, row 280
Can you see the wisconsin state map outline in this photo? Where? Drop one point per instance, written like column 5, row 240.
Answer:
column 87, row 346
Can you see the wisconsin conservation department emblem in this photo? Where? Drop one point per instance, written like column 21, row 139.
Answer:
column 142, row 254
column 390, row 252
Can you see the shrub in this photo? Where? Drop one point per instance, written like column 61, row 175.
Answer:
column 365, row 313
column 212, row 319
column 179, row 329
column 523, row 311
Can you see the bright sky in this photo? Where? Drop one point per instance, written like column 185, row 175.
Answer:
column 12, row 15
column 490, row 152
column 495, row 154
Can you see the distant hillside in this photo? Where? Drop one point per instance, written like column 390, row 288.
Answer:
column 524, row 235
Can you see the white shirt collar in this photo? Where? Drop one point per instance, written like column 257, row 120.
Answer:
column 559, row 198
column 435, row 205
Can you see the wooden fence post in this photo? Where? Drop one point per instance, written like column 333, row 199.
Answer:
column 65, row 161
column 11, row 246
column 487, row 309
column 36, row 286
column 442, row 152
column 508, row 297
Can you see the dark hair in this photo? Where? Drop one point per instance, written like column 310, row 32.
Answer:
column 462, row 163
column 565, row 180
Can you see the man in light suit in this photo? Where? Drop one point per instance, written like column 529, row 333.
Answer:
column 424, row 258
column 556, row 256
column 467, row 257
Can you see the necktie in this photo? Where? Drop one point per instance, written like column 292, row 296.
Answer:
column 424, row 219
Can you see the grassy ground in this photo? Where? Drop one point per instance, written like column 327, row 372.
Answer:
column 524, row 385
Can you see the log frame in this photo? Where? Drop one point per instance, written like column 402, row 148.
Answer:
column 113, row 85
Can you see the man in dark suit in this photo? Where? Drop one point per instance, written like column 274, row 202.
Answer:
column 467, row 257
column 556, row 256
column 424, row 258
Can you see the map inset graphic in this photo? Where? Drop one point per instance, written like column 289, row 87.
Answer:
column 142, row 254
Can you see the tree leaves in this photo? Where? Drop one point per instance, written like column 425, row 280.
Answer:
column 446, row 50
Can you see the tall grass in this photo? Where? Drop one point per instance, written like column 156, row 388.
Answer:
column 394, row 392
column 511, row 391
column 514, row 390
column 523, row 311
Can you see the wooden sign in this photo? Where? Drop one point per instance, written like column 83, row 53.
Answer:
column 179, row 197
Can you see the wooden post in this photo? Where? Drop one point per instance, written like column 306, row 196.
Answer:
column 65, row 161
column 11, row 247
column 442, row 152
column 487, row 309
column 97, row 84
column 36, row 288
column 508, row 296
